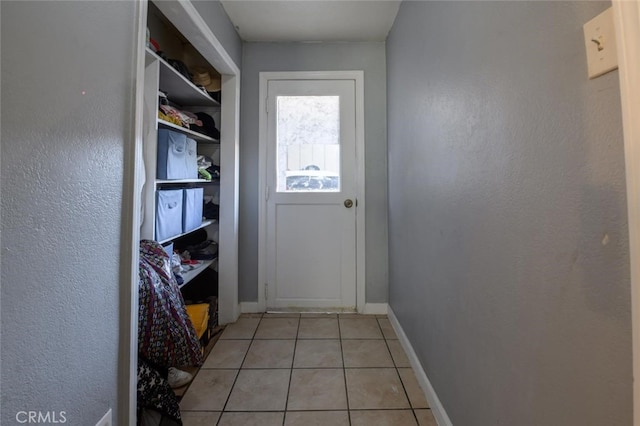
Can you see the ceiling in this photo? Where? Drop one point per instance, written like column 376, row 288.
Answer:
column 312, row 20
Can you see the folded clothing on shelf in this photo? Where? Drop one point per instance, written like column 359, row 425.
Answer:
column 207, row 169
column 182, row 68
column 211, row 210
column 196, row 246
column 205, row 124
column 167, row 118
column 186, row 118
column 206, row 251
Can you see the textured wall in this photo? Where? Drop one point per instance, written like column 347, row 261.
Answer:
column 509, row 265
column 215, row 16
column 369, row 57
column 67, row 74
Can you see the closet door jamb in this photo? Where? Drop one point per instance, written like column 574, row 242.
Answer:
column 133, row 179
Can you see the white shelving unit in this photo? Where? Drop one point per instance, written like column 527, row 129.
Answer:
column 193, row 135
column 192, row 273
column 161, row 76
column 157, row 71
column 178, row 88
column 205, row 223
column 180, row 181
column 183, row 34
column 185, row 19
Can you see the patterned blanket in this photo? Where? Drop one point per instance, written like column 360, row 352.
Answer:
column 166, row 336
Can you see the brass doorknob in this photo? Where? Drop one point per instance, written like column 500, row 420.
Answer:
column 348, row 203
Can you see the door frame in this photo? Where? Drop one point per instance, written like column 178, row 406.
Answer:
column 190, row 23
column 626, row 15
column 358, row 78
column 133, row 180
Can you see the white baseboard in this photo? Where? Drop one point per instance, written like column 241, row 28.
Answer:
column 250, row 308
column 369, row 308
column 434, row 402
column 106, row 420
column 375, row 309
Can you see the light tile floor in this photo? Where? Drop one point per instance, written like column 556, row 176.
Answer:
column 306, row 370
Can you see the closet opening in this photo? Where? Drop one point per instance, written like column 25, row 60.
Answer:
column 184, row 179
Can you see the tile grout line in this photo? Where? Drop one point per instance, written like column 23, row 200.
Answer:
column 235, row 380
column 344, row 371
column 291, row 368
column 293, row 359
column 406, row 393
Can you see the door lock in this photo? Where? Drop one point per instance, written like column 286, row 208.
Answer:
column 348, row 203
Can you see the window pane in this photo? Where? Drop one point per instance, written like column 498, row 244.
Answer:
column 308, row 138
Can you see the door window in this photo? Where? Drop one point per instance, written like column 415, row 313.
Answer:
column 308, row 143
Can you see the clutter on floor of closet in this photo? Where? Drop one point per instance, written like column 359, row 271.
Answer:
column 166, row 336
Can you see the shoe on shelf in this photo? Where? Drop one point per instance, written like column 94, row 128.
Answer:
column 178, row 378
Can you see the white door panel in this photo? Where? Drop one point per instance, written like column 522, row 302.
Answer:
column 305, row 269
column 311, row 171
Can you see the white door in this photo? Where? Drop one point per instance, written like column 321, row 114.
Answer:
column 311, row 188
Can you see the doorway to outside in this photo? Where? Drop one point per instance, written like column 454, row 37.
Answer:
column 312, row 182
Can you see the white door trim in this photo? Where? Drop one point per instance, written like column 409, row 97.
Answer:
column 626, row 15
column 358, row 77
column 130, row 236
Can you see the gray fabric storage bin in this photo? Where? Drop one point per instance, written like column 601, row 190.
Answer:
column 168, row 213
column 191, row 160
column 172, row 155
column 192, row 208
column 168, row 248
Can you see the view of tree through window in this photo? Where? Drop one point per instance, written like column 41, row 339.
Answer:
column 308, row 138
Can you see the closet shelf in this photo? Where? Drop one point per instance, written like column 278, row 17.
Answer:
column 179, row 181
column 194, row 135
column 191, row 274
column 204, row 224
column 178, row 88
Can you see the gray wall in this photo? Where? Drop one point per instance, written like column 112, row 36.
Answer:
column 216, row 17
column 62, row 171
column 370, row 57
column 62, row 177
column 509, row 264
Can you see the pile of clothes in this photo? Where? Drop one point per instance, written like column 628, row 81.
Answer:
column 166, row 338
column 200, row 122
column 190, row 251
column 206, row 169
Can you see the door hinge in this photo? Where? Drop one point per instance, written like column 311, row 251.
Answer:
column 266, row 105
column 266, row 291
column 266, row 193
